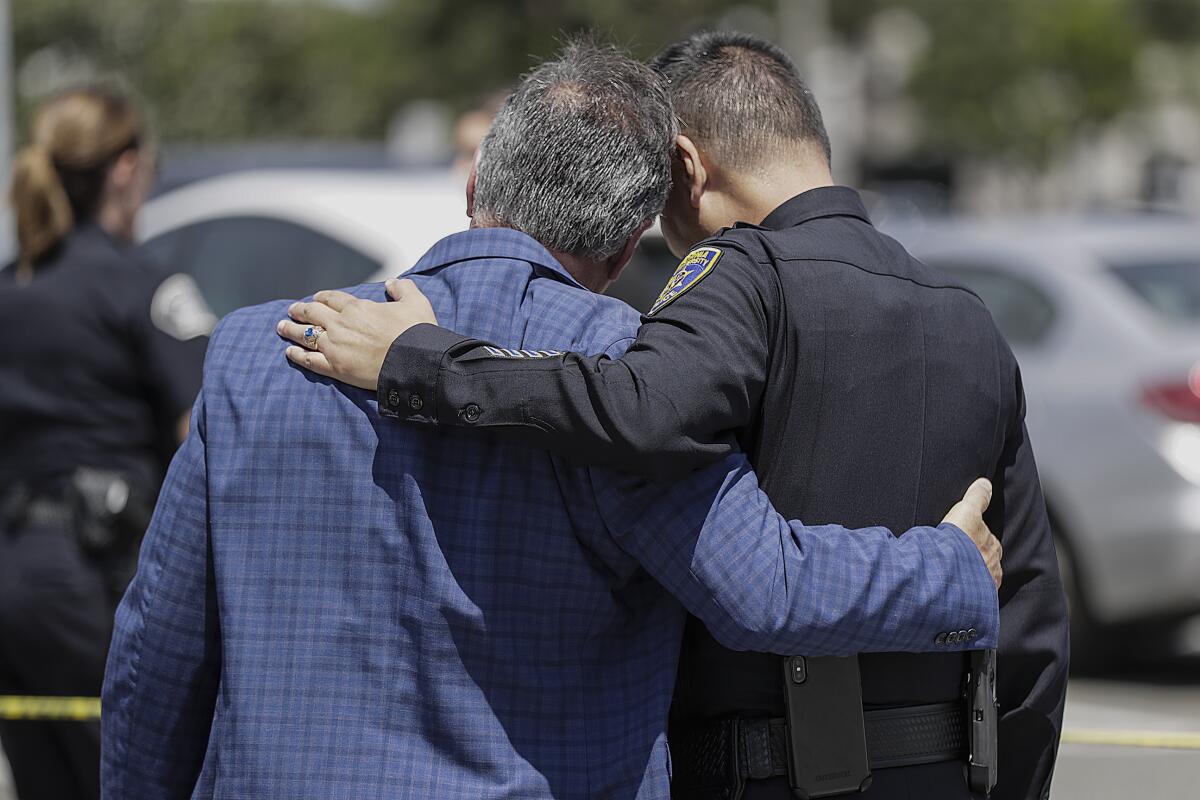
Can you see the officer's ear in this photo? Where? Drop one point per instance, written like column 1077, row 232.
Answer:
column 694, row 171
column 621, row 259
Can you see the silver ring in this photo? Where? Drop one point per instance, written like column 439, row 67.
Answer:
column 312, row 335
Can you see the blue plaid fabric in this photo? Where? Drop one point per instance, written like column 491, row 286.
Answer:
column 334, row 605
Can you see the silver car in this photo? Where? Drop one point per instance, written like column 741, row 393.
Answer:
column 1104, row 316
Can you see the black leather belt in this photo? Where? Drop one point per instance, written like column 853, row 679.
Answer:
column 713, row 757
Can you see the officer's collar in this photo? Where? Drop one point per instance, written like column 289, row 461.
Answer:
column 492, row 243
column 824, row 201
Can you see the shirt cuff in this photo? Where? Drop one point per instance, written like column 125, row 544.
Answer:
column 409, row 380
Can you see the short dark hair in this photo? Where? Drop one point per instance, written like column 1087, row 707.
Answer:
column 740, row 96
column 579, row 156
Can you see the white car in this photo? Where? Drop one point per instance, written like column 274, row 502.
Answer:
column 260, row 235
column 255, row 236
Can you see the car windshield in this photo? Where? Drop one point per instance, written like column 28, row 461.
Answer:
column 1171, row 288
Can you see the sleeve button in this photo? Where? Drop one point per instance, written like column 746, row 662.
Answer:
column 471, row 413
column 972, row 635
column 952, row 637
column 415, row 402
column 940, row 640
column 393, row 398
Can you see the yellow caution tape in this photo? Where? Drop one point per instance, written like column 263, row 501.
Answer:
column 88, row 708
column 1166, row 740
column 49, row 708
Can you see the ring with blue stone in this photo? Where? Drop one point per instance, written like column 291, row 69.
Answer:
column 312, row 334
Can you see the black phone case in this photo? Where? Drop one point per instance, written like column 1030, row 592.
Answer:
column 827, row 743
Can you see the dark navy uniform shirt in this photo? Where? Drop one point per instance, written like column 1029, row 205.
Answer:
column 103, row 356
column 863, row 384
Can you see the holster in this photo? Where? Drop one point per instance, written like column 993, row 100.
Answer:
column 983, row 722
column 110, row 511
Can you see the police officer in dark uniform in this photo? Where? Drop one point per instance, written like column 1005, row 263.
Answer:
column 864, row 385
column 97, row 377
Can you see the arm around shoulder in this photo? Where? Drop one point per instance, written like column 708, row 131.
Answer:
column 672, row 403
column 763, row 583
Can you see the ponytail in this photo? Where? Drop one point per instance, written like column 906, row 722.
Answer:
column 59, row 178
column 42, row 207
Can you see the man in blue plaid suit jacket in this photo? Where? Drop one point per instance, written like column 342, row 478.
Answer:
column 332, row 605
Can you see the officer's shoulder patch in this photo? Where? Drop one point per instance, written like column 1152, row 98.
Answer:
column 178, row 309
column 691, row 270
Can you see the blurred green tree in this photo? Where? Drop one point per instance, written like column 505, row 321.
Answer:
column 1020, row 78
column 1009, row 78
column 226, row 69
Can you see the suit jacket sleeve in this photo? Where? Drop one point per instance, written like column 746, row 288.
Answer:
column 160, row 683
column 672, row 403
column 1032, row 658
column 762, row 583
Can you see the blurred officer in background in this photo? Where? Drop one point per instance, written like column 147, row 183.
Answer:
column 863, row 385
column 101, row 367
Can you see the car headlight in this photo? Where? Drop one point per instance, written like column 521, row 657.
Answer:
column 1180, row 446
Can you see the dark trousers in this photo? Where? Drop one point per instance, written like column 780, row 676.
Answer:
column 945, row 781
column 55, row 625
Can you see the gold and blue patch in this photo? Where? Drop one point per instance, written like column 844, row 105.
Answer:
column 691, row 270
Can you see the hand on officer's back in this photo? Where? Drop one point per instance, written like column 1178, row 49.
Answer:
column 347, row 338
column 967, row 514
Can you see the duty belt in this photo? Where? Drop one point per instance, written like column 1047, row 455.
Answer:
column 717, row 756
column 19, row 512
column 43, row 513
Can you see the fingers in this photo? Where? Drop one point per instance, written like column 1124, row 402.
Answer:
column 418, row 307
column 995, row 560
column 314, row 313
column 294, row 331
column 310, row 360
column 967, row 515
column 993, row 555
column 979, row 494
column 402, row 289
column 395, row 287
column 334, row 299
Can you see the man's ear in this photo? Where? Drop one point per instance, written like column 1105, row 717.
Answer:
column 471, row 184
column 621, row 259
column 693, row 167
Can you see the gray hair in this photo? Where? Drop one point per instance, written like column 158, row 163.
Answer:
column 579, row 156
